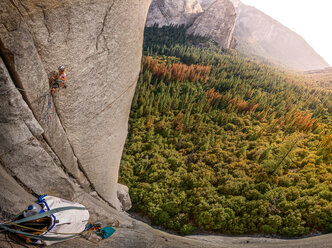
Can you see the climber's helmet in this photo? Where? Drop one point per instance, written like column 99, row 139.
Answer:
column 61, row 68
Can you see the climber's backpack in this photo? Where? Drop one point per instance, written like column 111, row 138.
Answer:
column 106, row 232
column 58, row 221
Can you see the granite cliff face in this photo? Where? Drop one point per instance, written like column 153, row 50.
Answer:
column 217, row 22
column 167, row 12
column 71, row 144
column 214, row 19
column 206, row 3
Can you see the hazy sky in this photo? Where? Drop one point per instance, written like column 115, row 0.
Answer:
column 312, row 19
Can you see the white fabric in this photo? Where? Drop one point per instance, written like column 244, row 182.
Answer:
column 69, row 221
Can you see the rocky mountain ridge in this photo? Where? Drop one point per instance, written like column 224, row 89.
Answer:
column 221, row 28
column 167, row 12
column 254, row 33
column 191, row 12
column 258, row 34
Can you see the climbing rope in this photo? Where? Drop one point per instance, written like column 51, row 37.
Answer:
column 38, row 230
column 48, row 110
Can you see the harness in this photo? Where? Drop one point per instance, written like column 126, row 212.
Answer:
column 59, row 81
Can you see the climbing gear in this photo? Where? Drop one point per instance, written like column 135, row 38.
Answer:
column 59, row 80
column 49, row 107
column 97, row 232
column 32, row 209
column 90, row 233
column 106, row 232
column 59, row 220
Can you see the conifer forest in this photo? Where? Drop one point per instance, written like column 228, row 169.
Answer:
column 220, row 142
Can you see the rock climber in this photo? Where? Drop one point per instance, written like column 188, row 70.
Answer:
column 59, row 80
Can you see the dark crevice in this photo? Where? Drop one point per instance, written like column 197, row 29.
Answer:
column 45, row 17
column 46, row 25
column 19, row 10
column 25, row 7
column 103, row 24
column 16, row 7
column 80, row 167
column 12, row 149
column 48, row 148
column 26, row 188
column 8, row 59
column 18, row 181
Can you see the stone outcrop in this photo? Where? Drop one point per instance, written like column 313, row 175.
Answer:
column 211, row 18
column 124, row 197
column 217, row 22
column 69, row 144
column 167, row 12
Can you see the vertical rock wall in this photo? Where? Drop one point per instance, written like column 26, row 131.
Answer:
column 177, row 12
column 217, row 22
column 209, row 18
column 59, row 145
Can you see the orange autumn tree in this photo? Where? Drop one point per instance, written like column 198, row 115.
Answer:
column 177, row 71
column 178, row 122
column 212, row 96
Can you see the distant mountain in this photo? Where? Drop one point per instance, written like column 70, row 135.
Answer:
column 216, row 22
column 259, row 35
column 213, row 18
column 241, row 27
column 167, row 12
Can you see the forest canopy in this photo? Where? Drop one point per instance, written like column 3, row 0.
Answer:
column 219, row 142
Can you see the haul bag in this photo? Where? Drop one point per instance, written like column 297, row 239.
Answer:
column 66, row 221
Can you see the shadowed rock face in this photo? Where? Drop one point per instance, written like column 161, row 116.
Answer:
column 217, row 22
column 74, row 140
column 178, row 12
